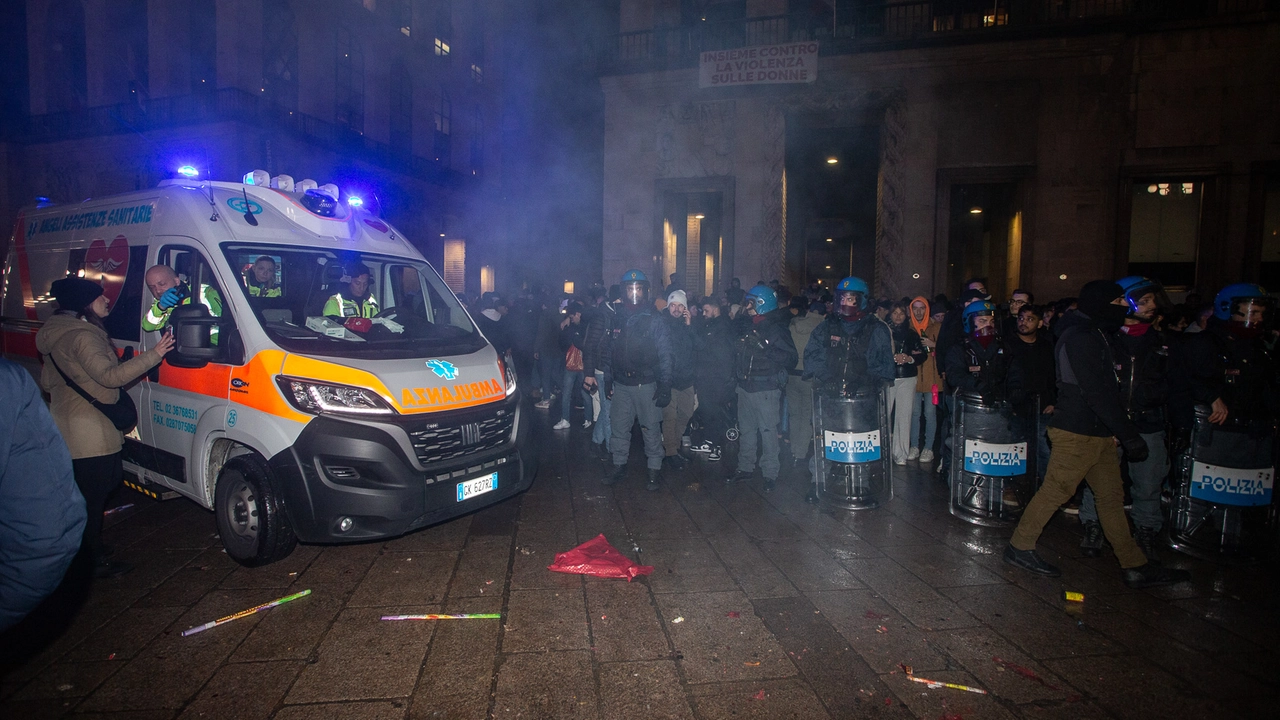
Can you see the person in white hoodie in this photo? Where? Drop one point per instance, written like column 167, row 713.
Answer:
column 76, row 349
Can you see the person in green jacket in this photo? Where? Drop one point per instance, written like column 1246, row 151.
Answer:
column 169, row 292
column 356, row 299
column 262, row 278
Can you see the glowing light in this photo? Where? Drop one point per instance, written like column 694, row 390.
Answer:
column 830, row 239
column 915, row 276
column 568, row 287
column 699, row 216
column 975, row 210
column 354, row 201
column 832, row 160
column 188, row 171
column 828, row 267
column 1063, row 276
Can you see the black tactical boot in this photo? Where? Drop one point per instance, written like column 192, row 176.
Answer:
column 615, row 477
column 655, row 481
column 769, row 485
column 739, row 476
column 1030, row 561
column 1151, row 574
column 1093, row 542
column 1146, row 539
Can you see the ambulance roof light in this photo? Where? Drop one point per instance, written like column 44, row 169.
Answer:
column 188, row 171
column 305, row 185
column 354, row 201
column 329, row 189
column 257, row 177
column 282, row 182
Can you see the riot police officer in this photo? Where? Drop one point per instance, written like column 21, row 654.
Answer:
column 764, row 355
column 850, row 350
column 637, row 364
column 1142, row 364
column 1228, row 365
column 979, row 363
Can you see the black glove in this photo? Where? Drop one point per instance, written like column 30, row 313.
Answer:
column 1135, row 449
column 662, row 397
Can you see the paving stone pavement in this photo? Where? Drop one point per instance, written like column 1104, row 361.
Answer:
column 760, row 606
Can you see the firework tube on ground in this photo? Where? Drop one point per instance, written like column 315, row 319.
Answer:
column 462, row 616
column 244, row 613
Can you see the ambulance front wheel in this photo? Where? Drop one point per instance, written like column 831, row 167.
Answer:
column 250, row 513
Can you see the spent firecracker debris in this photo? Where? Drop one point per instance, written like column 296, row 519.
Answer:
column 244, row 613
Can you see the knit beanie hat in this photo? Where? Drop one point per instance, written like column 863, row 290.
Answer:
column 74, row 293
column 678, row 296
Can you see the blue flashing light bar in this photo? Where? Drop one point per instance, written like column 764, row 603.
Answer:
column 188, row 171
column 354, row 201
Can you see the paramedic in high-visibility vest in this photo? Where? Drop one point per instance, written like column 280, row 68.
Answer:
column 262, row 278
column 356, row 299
column 169, row 292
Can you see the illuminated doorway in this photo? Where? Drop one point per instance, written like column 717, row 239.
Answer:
column 984, row 238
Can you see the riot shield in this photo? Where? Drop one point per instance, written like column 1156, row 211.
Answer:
column 851, row 450
column 993, row 459
column 1223, row 507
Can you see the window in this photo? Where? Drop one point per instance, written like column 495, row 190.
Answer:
column 1270, row 274
column 477, row 74
column 486, row 279
column 202, row 22
column 121, row 283
column 1164, row 230
column 401, row 16
column 442, row 51
column 280, row 55
column 443, row 23
column 443, row 144
column 401, row 107
column 349, row 82
column 477, row 140
column 455, row 265
column 426, row 320
column 68, row 83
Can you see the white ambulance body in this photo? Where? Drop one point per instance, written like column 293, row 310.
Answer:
column 287, row 424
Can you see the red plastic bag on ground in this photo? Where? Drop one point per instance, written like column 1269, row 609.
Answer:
column 597, row 557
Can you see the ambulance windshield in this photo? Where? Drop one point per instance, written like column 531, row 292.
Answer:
column 320, row 302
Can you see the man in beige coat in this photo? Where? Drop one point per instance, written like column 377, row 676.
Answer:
column 74, row 342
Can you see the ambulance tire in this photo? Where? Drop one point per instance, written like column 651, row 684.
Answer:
column 250, row 513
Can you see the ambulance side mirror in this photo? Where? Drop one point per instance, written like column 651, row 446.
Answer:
column 193, row 337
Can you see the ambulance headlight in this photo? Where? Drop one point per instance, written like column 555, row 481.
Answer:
column 508, row 374
column 315, row 398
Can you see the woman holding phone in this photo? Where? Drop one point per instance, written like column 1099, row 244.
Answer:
column 79, row 359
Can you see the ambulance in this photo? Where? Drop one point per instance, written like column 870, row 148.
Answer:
column 288, row 424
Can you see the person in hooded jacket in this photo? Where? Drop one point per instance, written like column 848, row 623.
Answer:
column 491, row 321
column 1088, row 423
column 929, row 384
column 595, row 343
column 1142, row 363
column 76, row 349
column 637, row 377
column 764, row 355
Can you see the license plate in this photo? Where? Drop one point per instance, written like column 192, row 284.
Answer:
column 468, row 489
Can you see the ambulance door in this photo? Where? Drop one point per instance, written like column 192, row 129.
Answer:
column 184, row 406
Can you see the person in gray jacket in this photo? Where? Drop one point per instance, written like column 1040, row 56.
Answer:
column 42, row 513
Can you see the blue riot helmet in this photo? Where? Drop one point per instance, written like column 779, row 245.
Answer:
column 635, row 287
column 974, row 310
column 851, row 298
column 1244, row 306
column 1136, row 289
column 762, row 299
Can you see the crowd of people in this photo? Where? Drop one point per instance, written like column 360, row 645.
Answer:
column 1107, row 382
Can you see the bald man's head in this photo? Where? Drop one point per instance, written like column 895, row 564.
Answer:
column 159, row 279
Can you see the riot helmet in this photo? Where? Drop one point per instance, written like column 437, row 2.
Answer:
column 1244, row 307
column 851, row 298
column 1144, row 297
column 635, row 288
column 761, row 299
column 980, row 321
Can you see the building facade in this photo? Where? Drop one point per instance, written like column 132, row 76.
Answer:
column 397, row 101
column 1037, row 143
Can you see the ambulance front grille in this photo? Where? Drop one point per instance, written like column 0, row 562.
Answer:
column 444, row 441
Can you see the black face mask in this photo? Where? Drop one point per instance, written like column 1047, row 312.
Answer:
column 1111, row 316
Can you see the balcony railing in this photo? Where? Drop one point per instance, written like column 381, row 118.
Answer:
column 227, row 104
column 875, row 25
